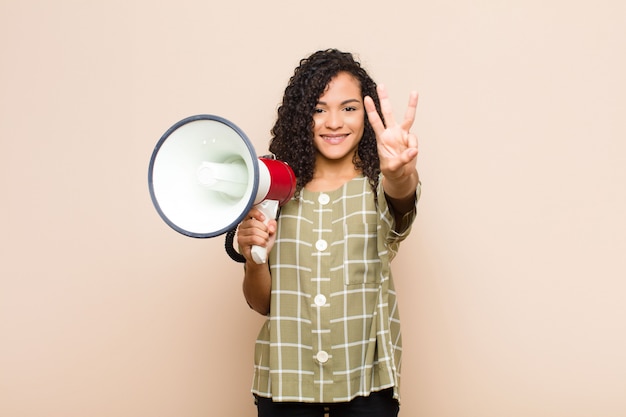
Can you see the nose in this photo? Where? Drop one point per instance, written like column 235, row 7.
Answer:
column 334, row 120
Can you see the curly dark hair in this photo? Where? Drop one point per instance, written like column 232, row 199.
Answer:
column 292, row 134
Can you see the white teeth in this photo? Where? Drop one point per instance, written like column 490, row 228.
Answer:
column 334, row 140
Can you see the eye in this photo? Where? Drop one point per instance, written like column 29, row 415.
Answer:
column 352, row 108
column 317, row 110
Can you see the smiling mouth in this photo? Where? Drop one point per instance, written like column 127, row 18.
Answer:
column 334, row 139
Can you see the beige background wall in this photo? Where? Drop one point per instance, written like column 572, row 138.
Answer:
column 512, row 283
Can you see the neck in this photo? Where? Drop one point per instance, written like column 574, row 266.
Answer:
column 326, row 178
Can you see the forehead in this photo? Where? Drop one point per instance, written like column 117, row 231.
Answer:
column 343, row 85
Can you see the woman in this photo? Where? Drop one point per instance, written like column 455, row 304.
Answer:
column 332, row 339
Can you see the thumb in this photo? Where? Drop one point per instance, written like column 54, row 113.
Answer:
column 409, row 154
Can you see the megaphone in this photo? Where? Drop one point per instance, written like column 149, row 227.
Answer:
column 204, row 177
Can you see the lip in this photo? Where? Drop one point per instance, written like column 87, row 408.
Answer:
column 334, row 138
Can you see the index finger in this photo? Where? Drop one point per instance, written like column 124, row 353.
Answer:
column 255, row 213
column 409, row 115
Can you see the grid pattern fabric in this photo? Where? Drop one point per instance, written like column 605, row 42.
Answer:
column 333, row 332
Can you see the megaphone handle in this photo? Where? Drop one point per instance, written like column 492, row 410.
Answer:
column 270, row 209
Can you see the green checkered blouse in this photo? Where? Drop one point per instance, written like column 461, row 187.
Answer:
column 333, row 332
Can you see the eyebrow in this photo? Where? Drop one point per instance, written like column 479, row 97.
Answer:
column 352, row 100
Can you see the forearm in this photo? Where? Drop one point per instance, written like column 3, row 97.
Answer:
column 257, row 287
column 400, row 192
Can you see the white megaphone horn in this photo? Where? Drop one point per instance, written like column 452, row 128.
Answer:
column 204, row 177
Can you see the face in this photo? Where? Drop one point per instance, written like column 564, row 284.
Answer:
column 339, row 120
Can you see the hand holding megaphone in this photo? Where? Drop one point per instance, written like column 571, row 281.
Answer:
column 250, row 230
column 269, row 208
column 204, row 177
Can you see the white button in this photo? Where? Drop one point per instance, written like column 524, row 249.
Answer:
column 320, row 300
column 321, row 245
column 322, row 356
column 323, row 199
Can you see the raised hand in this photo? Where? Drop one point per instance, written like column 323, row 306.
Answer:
column 397, row 146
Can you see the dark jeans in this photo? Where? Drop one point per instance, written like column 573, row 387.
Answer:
column 378, row 404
